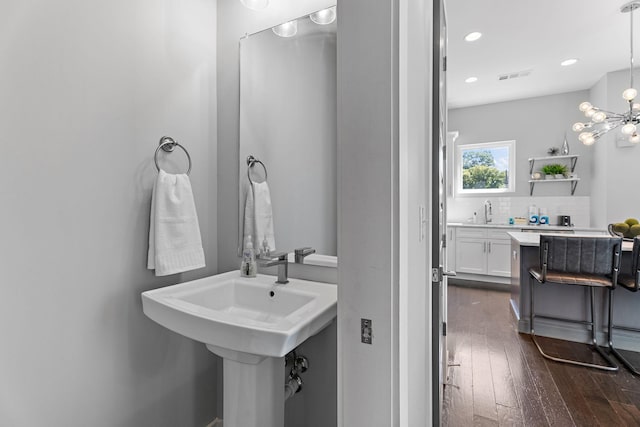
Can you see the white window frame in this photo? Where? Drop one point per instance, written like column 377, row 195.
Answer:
column 510, row 144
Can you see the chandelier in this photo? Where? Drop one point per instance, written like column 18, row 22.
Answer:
column 602, row 121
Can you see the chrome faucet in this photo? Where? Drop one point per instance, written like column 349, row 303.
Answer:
column 281, row 260
column 301, row 253
column 487, row 211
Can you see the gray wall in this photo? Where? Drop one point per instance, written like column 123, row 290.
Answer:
column 368, row 212
column 615, row 168
column 87, row 90
column 536, row 124
column 311, row 408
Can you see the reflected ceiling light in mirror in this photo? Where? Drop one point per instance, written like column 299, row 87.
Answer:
column 288, row 29
column 471, row 37
column 255, row 4
column 324, row 16
column 568, row 62
column 471, row 80
column 602, row 121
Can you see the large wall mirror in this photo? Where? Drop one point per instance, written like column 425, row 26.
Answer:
column 288, row 122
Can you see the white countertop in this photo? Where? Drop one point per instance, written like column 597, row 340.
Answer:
column 542, row 228
column 533, row 239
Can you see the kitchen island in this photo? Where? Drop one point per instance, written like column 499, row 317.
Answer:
column 568, row 301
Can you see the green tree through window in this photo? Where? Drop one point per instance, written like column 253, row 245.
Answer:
column 477, row 158
column 486, row 166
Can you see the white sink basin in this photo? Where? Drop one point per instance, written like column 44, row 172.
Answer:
column 244, row 319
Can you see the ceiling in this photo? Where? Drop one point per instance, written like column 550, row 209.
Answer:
column 536, row 35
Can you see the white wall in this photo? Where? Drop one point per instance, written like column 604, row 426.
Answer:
column 599, row 160
column 414, row 170
column 87, row 90
column 616, row 168
column 383, row 143
column 312, row 407
column 536, row 124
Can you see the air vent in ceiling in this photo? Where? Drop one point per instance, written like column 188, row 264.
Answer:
column 515, row 75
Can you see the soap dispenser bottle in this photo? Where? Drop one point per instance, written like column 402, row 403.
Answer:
column 248, row 268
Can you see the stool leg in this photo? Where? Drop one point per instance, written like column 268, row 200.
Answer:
column 612, row 366
column 531, row 312
column 615, row 352
column 594, row 339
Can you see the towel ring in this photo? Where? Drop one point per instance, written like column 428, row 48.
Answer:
column 168, row 144
column 251, row 161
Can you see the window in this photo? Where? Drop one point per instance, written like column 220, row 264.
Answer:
column 488, row 167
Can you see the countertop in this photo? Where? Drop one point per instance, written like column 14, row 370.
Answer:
column 533, row 239
column 541, row 228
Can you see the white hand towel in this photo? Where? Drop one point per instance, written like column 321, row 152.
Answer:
column 175, row 244
column 258, row 216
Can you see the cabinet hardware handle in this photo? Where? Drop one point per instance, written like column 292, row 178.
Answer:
column 489, row 247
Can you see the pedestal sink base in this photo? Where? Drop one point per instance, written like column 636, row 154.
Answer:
column 254, row 394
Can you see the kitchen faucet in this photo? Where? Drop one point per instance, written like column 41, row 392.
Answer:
column 487, row 211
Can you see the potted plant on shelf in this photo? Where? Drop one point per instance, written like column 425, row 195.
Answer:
column 554, row 170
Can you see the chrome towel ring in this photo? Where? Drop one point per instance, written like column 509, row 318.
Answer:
column 168, row 144
column 251, row 161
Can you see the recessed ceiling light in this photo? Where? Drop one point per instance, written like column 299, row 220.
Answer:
column 471, row 80
column 568, row 62
column 471, row 37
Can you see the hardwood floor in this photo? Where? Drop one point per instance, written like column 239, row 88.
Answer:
column 498, row 378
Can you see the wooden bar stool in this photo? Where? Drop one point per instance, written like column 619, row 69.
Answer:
column 629, row 280
column 592, row 262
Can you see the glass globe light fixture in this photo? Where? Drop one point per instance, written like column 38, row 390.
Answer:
column 288, row 29
column 585, row 106
column 324, row 16
column 629, row 94
column 601, row 121
column 599, row 117
column 628, row 129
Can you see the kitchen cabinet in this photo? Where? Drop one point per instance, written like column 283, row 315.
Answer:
column 483, row 251
column 498, row 253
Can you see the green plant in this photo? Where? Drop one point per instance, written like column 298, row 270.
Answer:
column 554, row 169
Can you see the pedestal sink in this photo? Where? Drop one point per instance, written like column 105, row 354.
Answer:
column 252, row 323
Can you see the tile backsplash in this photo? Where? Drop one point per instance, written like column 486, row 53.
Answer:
column 461, row 209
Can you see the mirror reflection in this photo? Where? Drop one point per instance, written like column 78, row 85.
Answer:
column 288, row 122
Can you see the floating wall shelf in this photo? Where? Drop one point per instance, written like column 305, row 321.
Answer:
column 572, row 165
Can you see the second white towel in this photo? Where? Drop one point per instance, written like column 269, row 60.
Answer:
column 258, row 216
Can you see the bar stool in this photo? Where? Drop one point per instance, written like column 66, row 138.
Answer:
column 592, row 262
column 629, row 280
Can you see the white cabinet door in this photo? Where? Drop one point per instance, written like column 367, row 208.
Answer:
column 498, row 258
column 471, row 255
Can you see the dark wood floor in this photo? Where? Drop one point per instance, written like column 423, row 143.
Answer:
column 500, row 379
